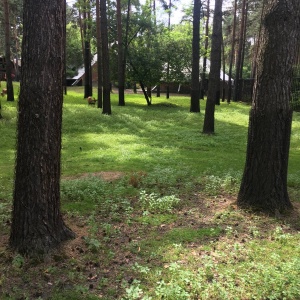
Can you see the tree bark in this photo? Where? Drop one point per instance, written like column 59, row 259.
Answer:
column 195, row 86
column 9, row 84
column 232, row 54
column 105, row 60
column 239, row 63
column 99, row 54
column 203, row 77
column 213, row 94
column 88, row 89
column 37, row 224
column 121, row 66
column 264, row 183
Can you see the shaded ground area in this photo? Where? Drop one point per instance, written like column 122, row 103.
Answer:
column 100, row 261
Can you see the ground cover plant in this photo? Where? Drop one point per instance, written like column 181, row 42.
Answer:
column 152, row 202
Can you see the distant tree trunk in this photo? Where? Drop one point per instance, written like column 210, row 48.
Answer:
column 168, row 62
column 99, row 54
column 213, row 94
column 149, row 92
column 105, row 60
column 203, row 77
column 81, row 28
column 224, row 70
column 126, row 39
column 88, row 89
column 158, row 90
column 9, row 85
column 239, row 63
column 121, row 66
column 37, row 224
column 17, row 51
column 264, row 183
column 232, row 53
column 145, row 93
column 195, row 84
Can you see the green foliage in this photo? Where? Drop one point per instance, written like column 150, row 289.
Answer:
column 88, row 194
column 207, row 250
column 215, row 184
column 187, row 235
column 233, row 272
column 155, row 204
column 74, row 59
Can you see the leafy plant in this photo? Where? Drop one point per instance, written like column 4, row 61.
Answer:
column 155, row 204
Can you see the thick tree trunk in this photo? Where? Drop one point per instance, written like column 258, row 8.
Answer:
column 37, row 224
column 264, row 183
column 105, row 60
column 9, row 85
column 195, row 86
column 213, row 94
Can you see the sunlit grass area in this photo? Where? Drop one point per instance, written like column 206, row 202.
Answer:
column 152, row 201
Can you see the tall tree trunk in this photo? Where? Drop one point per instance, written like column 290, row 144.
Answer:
column 99, row 54
column 232, row 53
column 213, row 94
column 121, row 66
column 195, row 86
column 224, row 70
column 264, row 183
column 168, row 62
column 105, row 60
column 81, row 28
column 37, row 224
column 9, row 85
column 88, row 89
column 203, row 77
column 239, row 63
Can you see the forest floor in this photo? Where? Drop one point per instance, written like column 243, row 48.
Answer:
column 102, row 262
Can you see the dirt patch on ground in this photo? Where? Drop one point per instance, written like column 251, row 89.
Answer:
column 105, row 175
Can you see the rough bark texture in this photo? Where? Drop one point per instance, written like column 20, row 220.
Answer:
column 264, row 183
column 213, row 94
column 37, row 224
column 105, row 60
column 195, row 86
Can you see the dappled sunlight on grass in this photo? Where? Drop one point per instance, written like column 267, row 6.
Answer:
column 153, row 203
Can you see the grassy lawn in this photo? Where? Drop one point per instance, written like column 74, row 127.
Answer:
column 152, row 202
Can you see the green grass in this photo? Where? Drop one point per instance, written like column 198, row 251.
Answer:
column 168, row 227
